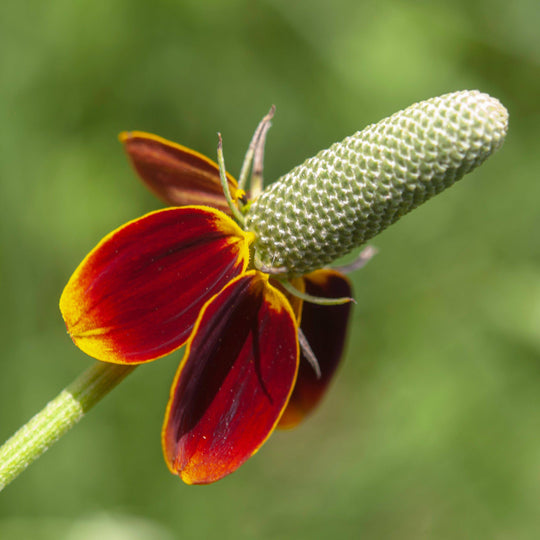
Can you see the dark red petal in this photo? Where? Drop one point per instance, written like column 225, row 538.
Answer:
column 325, row 328
column 176, row 174
column 234, row 381
column 137, row 294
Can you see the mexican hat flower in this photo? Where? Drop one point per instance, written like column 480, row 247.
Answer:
column 241, row 278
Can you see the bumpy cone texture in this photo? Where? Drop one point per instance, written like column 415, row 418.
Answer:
column 348, row 193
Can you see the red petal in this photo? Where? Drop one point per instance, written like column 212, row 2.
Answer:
column 325, row 328
column 176, row 174
column 234, row 381
column 136, row 296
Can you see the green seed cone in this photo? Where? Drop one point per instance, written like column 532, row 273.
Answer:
column 345, row 195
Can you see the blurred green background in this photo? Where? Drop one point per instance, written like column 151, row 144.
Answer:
column 432, row 428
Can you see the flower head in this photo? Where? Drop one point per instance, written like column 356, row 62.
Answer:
column 240, row 279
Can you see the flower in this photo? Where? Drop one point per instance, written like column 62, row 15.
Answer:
column 241, row 281
column 181, row 276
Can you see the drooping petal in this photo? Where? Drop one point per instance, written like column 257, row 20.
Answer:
column 325, row 328
column 176, row 174
column 137, row 294
column 235, row 379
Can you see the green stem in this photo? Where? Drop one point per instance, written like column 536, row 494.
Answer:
column 58, row 416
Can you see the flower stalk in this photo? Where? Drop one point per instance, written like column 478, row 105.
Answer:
column 58, row 417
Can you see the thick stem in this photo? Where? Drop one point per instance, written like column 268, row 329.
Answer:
column 58, row 416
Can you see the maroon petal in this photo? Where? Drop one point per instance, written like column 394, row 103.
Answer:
column 234, row 381
column 136, row 296
column 176, row 174
column 325, row 328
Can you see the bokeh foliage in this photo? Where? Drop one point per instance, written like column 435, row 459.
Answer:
column 432, row 427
